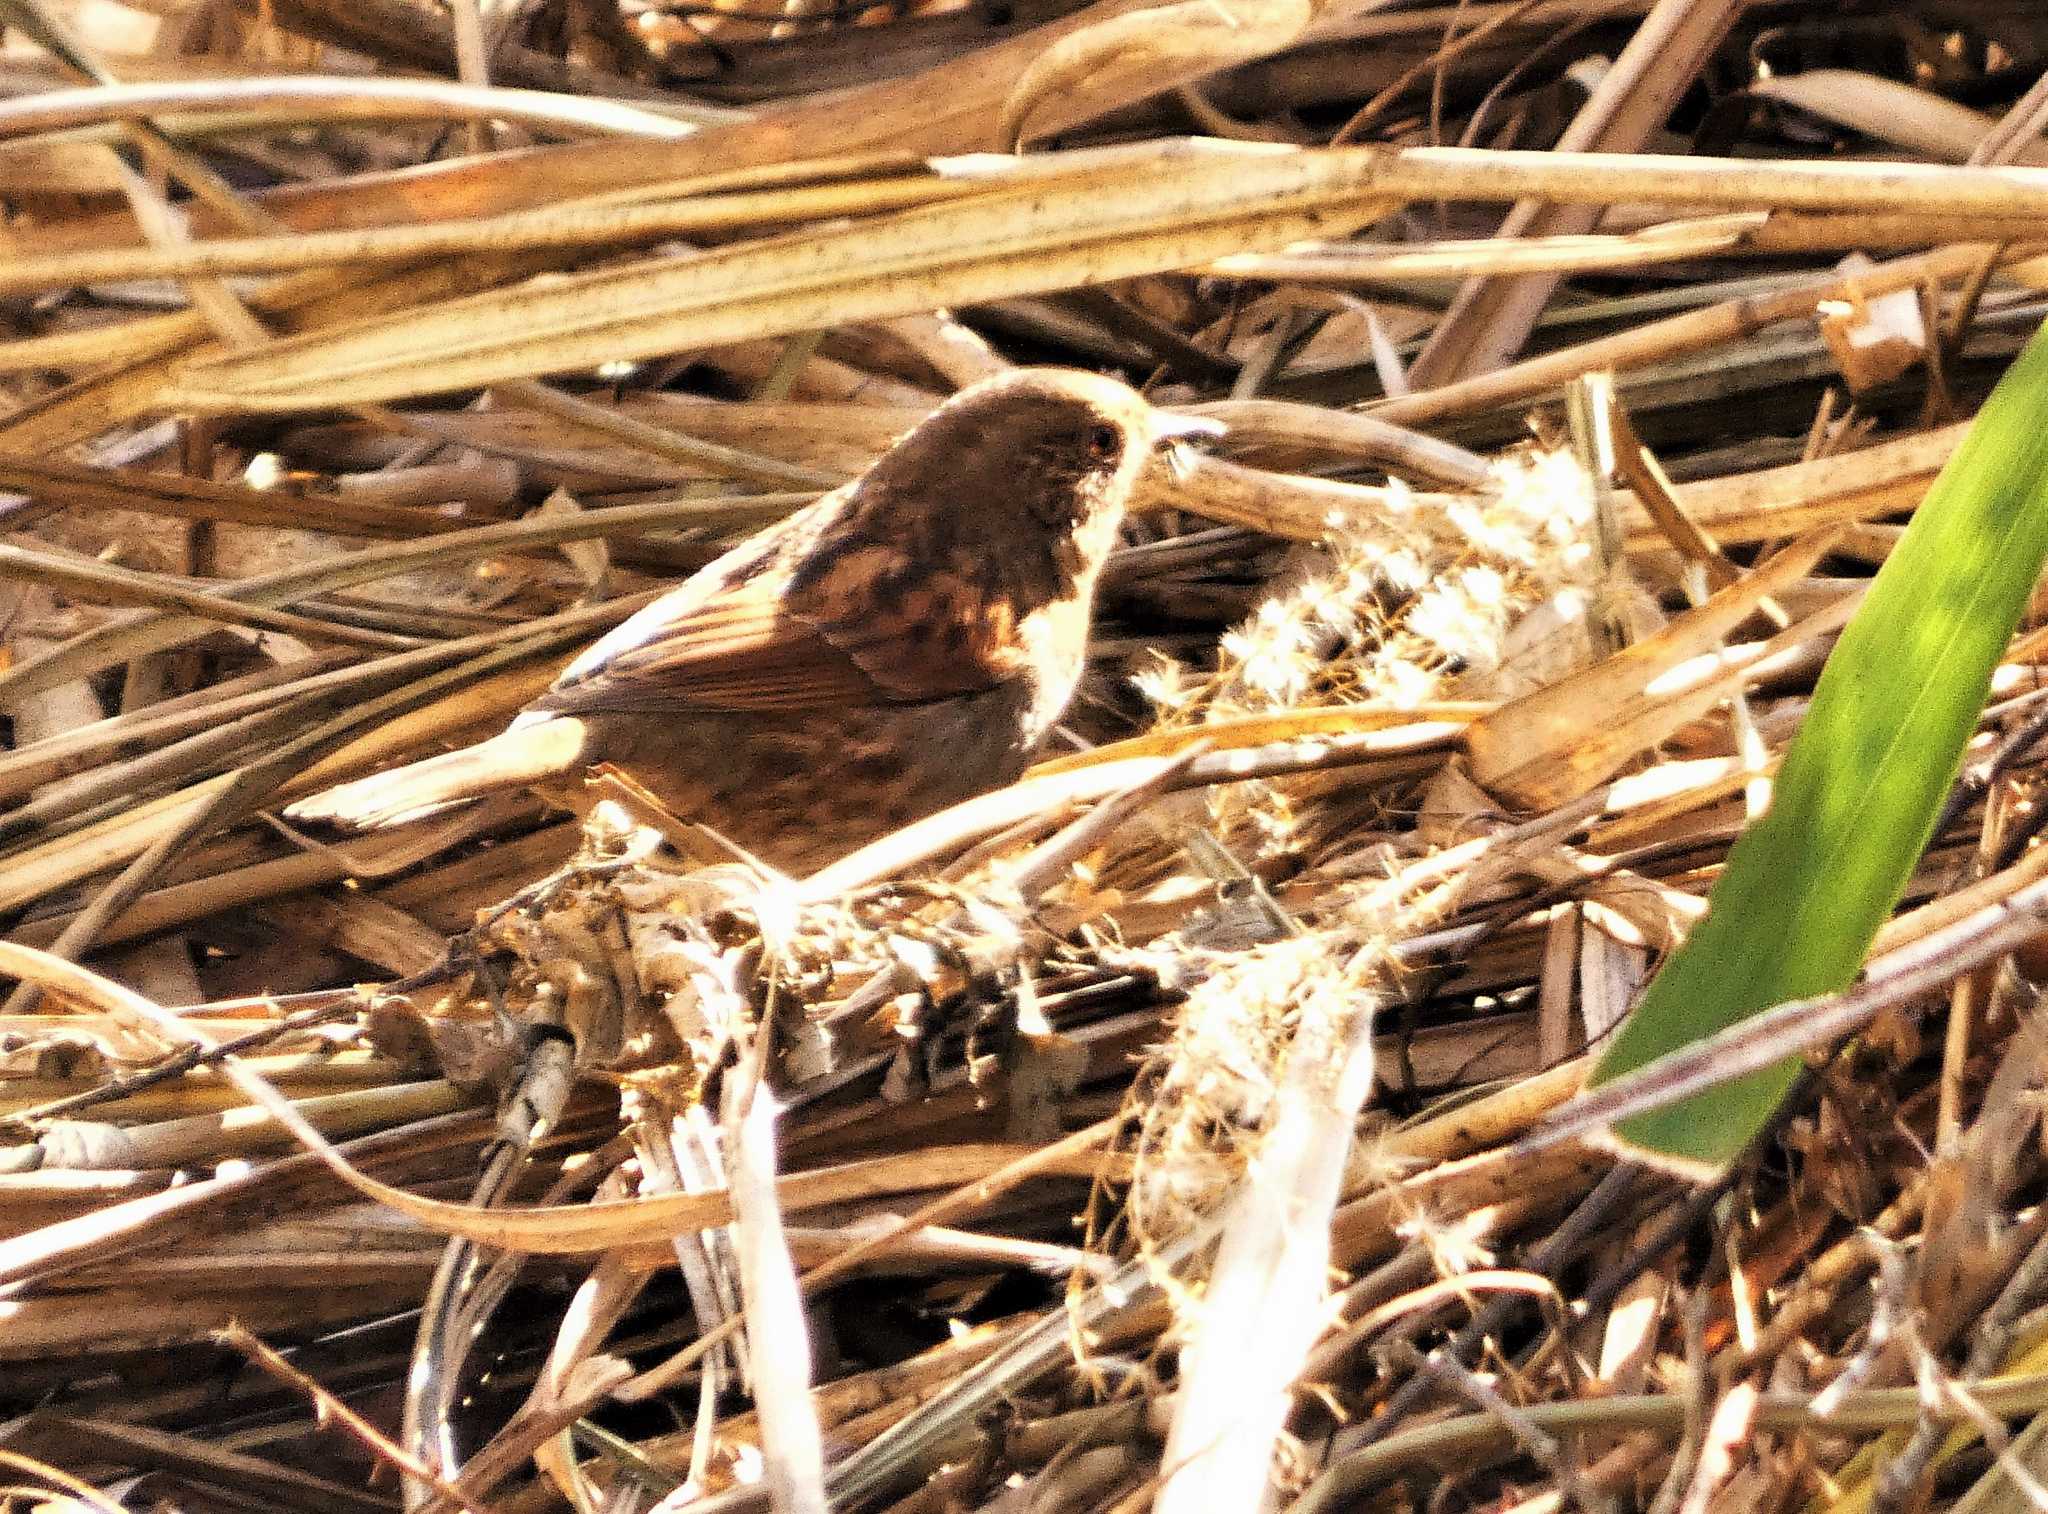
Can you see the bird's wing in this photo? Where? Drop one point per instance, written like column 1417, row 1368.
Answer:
column 816, row 624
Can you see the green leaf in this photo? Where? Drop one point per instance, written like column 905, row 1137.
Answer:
column 1808, row 885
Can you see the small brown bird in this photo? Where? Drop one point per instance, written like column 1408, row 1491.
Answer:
column 905, row 643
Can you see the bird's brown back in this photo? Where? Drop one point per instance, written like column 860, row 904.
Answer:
column 940, row 572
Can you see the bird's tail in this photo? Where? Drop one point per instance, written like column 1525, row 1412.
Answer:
column 526, row 754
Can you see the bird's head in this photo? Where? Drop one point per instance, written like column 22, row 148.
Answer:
column 1052, row 449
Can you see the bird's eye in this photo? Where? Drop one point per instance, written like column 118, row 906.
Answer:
column 1104, row 443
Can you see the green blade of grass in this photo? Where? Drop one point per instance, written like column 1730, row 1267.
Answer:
column 1808, row 885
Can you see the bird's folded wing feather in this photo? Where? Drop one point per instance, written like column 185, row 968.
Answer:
column 752, row 644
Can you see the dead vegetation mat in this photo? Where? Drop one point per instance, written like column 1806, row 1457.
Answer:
column 1145, row 1134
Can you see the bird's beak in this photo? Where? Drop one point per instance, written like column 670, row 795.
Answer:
column 1170, row 426
column 1171, row 434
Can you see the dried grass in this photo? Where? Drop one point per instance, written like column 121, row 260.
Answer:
column 1155, row 1132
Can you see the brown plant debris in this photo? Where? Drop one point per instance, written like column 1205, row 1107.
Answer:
column 1173, row 1127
